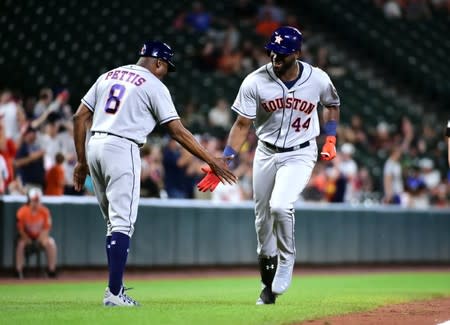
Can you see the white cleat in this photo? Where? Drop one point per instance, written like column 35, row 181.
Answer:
column 283, row 278
column 122, row 299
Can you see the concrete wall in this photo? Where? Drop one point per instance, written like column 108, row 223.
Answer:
column 190, row 232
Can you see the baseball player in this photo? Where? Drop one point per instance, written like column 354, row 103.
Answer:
column 281, row 100
column 124, row 105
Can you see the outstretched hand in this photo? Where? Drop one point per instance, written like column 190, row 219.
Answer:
column 216, row 172
column 209, row 181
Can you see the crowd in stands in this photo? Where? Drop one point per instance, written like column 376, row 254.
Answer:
column 412, row 10
column 37, row 150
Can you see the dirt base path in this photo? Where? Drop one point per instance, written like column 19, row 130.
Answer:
column 430, row 312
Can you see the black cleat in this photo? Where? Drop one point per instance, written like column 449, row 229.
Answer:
column 266, row 297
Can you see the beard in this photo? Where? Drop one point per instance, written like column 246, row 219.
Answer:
column 280, row 67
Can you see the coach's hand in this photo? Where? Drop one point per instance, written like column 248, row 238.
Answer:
column 329, row 148
column 79, row 175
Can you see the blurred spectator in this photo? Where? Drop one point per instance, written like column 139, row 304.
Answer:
column 266, row 24
column 245, row 173
column 198, row 19
column 206, row 59
column 292, row 20
column 248, row 63
column 12, row 114
column 152, row 174
column 54, row 178
column 175, row 178
column 440, row 198
column 180, row 20
column 335, row 182
column 245, row 11
column 16, row 187
column 358, row 131
column 45, row 98
column 58, row 109
column 407, row 134
column 275, row 11
column 416, row 195
column 430, row 175
column 227, row 193
column 260, row 56
column 8, row 151
column 3, row 175
column 381, row 140
column 192, row 118
column 220, row 114
column 317, row 186
column 29, row 161
column 392, row 9
column 441, row 5
column 51, row 141
column 33, row 225
column 393, row 177
column 229, row 61
column 323, row 62
column 417, row 9
column 349, row 169
column 364, row 183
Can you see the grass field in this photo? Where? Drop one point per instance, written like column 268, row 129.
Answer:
column 215, row 301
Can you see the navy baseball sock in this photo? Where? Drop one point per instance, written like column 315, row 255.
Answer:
column 108, row 250
column 118, row 259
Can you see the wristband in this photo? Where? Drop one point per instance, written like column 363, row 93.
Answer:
column 330, row 127
column 229, row 152
column 448, row 129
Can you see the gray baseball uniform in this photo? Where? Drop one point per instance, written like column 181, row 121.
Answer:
column 287, row 123
column 127, row 103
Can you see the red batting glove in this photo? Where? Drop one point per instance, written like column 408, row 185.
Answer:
column 329, row 148
column 209, row 181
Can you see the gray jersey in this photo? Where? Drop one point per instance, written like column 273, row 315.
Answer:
column 285, row 117
column 129, row 101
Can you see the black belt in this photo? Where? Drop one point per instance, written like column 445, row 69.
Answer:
column 119, row 136
column 278, row 149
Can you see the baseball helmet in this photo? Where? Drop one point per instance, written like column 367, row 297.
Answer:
column 160, row 50
column 285, row 40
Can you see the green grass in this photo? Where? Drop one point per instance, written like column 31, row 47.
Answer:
column 215, row 301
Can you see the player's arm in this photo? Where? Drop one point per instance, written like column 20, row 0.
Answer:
column 238, row 133
column 330, row 121
column 180, row 134
column 387, row 185
column 81, row 121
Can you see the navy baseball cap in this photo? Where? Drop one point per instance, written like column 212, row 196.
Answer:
column 160, row 50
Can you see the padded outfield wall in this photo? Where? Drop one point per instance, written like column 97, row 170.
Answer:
column 195, row 232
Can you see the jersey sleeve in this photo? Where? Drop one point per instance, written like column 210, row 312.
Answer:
column 245, row 103
column 328, row 96
column 162, row 106
column 447, row 133
column 90, row 98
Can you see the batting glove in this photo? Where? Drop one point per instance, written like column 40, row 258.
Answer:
column 209, row 181
column 329, row 148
